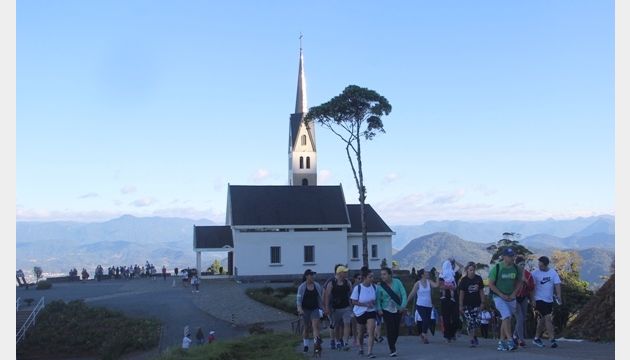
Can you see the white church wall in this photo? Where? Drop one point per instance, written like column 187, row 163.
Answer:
column 252, row 252
column 384, row 250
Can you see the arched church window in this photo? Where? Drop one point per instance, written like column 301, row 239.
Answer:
column 308, row 162
column 305, row 182
column 301, row 162
column 303, row 139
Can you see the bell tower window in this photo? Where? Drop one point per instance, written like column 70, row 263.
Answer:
column 303, row 139
column 308, row 162
column 301, row 162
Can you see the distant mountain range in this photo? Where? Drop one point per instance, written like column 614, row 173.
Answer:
column 582, row 232
column 431, row 251
column 127, row 240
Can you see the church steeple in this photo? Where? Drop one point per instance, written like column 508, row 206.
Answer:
column 300, row 99
column 302, row 150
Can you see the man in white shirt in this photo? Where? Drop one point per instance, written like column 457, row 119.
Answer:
column 546, row 280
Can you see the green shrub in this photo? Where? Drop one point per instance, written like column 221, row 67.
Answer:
column 43, row 285
column 75, row 329
column 280, row 298
column 281, row 346
column 259, row 329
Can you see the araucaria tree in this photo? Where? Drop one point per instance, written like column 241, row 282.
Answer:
column 353, row 115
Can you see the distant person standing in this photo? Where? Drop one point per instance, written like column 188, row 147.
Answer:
column 195, row 283
column 186, row 341
column 176, row 271
column 200, row 336
column 504, row 281
column 164, row 272
column 546, row 281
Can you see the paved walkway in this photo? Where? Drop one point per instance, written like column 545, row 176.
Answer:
column 227, row 300
column 409, row 347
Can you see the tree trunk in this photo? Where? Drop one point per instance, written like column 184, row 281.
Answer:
column 364, row 238
column 364, row 232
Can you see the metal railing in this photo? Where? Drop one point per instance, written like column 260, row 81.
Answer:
column 18, row 302
column 21, row 334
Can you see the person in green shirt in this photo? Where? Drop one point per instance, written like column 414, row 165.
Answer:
column 504, row 281
column 391, row 301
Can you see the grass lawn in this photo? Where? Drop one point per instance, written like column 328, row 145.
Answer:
column 266, row 346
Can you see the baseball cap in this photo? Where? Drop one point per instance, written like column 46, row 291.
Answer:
column 341, row 269
column 309, row 272
column 544, row 260
column 508, row 252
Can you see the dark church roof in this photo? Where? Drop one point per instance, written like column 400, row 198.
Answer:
column 374, row 222
column 288, row 205
column 212, row 237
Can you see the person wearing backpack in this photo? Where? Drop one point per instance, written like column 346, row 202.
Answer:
column 504, row 281
column 522, row 302
column 337, row 307
column 309, row 301
column 391, row 301
column 364, row 300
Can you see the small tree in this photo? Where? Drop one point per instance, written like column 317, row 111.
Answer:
column 575, row 292
column 509, row 239
column 38, row 273
column 354, row 114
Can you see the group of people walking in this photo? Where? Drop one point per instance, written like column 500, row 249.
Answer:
column 359, row 308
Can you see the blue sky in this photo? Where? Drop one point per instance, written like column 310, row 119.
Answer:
column 501, row 110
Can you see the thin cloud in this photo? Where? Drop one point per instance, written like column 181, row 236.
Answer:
column 260, row 175
column 191, row 213
column 142, row 202
column 88, row 195
column 484, row 190
column 128, row 189
column 390, row 178
column 324, row 176
column 22, row 214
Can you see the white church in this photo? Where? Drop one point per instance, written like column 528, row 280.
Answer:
column 275, row 231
